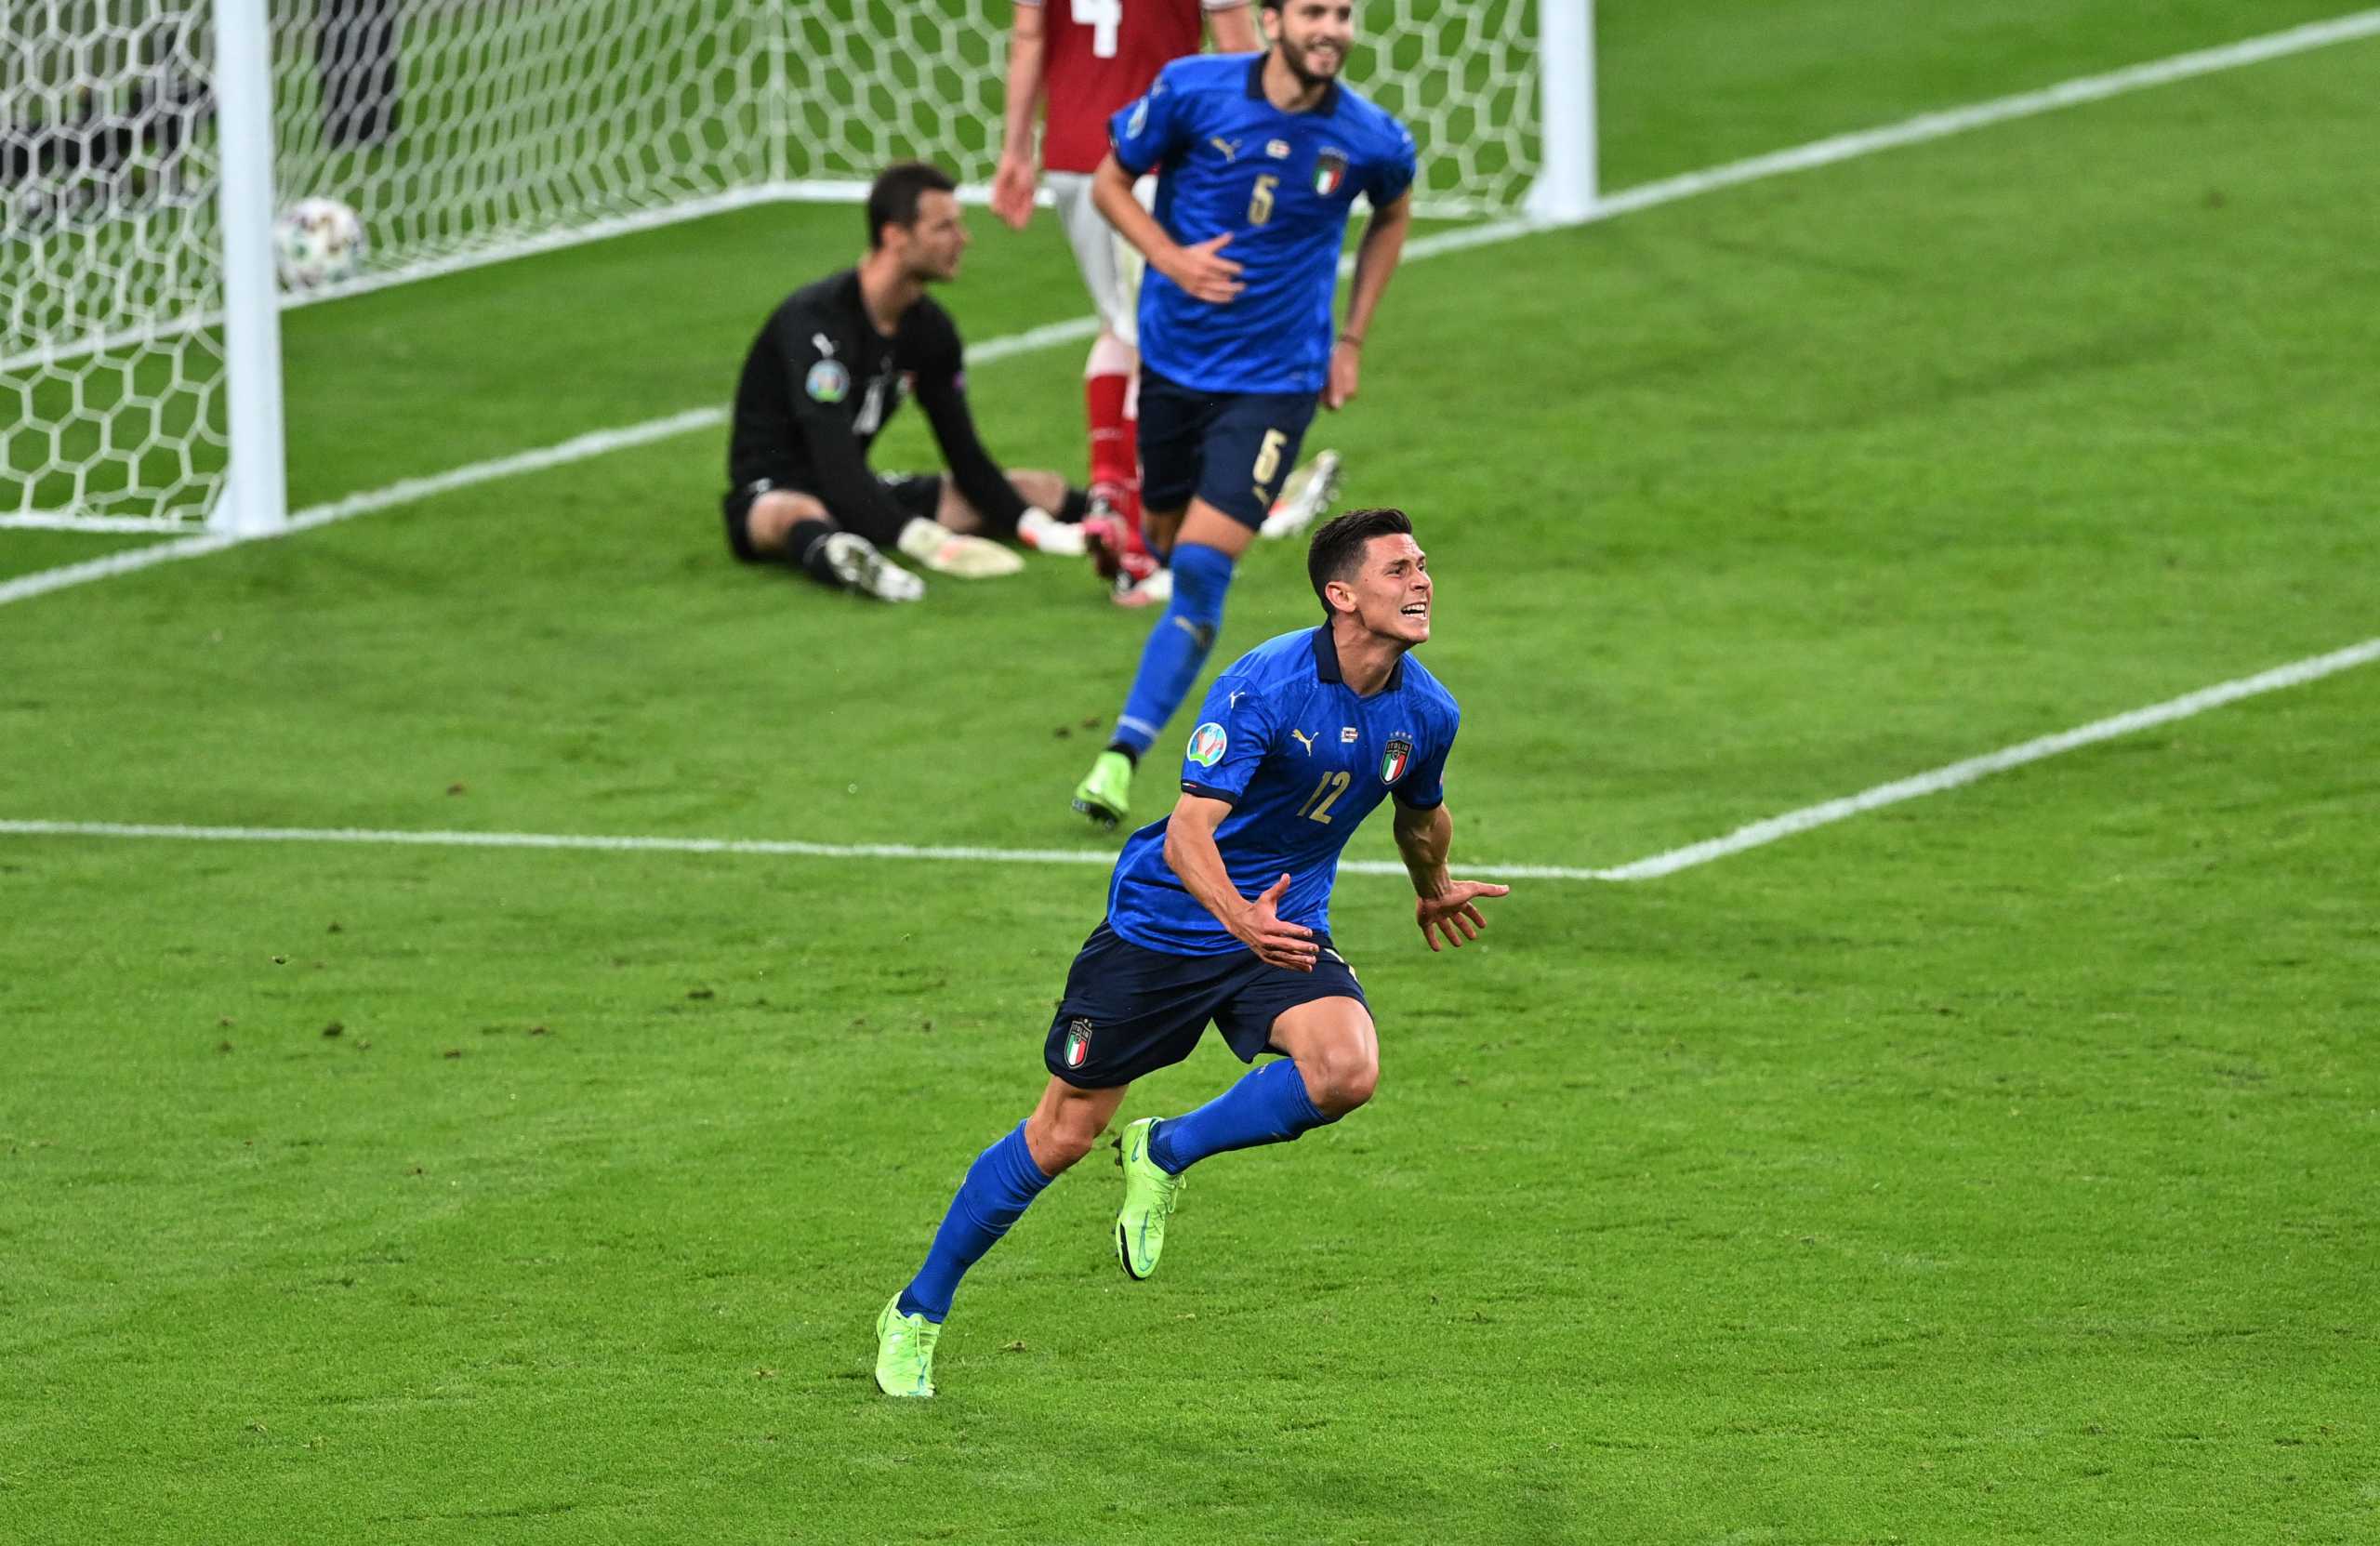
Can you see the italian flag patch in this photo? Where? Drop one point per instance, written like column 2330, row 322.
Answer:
column 1394, row 761
column 1329, row 171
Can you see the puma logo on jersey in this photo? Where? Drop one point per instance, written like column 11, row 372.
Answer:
column 825, row 345
column 1304, row 740
column 1229, row 147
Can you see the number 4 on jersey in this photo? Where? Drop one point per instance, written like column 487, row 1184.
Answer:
column 1104, row 18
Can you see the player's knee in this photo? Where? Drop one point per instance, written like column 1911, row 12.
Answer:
column 1337, row 1082
column 1059, row 1141
column 1112, row 354
column 1355, row 1086
column 772, row 518
column 1046, row 490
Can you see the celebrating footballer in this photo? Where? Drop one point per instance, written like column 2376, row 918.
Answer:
column 1259, row 160
column 1221, row 914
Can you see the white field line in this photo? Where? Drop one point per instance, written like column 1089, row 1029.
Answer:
column 43, row 581
column 54, row 521
column 2295, row 674
column 767, row 847
column 1822, row 152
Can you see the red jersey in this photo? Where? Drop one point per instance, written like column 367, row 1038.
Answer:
column 1098, row 55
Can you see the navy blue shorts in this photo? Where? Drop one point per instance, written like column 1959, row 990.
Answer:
column 1130, row 1011
column 1231, row 449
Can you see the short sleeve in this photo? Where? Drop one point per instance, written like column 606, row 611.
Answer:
column 1392, row 174
column 1236, row 729
column 1423, row 786
column 1148, row 130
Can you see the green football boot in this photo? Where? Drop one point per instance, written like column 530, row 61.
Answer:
column 1149, row 1196
column 1106, row 793
column 904, row 1352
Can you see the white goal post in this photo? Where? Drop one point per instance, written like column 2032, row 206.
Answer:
column 144, row 145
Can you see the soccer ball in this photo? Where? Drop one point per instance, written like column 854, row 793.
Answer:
column 316, row 242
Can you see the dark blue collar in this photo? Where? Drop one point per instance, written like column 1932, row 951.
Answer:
column 1326, row 662
column 1323, row 109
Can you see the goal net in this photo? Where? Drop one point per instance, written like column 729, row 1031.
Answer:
column 870, row 83
column 463, row 131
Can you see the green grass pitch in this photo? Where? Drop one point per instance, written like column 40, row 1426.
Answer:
column 1998, row 1167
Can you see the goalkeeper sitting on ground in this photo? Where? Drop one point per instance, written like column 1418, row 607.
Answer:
column 830, row 365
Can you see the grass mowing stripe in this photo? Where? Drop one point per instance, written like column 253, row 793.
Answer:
column 2294, row 674
column 1820, row 152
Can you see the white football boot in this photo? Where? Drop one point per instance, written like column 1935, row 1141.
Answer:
column 1154, row 590
column 861, row 568
column 1307, row 493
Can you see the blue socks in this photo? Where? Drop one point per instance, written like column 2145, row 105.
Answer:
column 1178, row 645
column 1268, row 1105
column 999, row 1186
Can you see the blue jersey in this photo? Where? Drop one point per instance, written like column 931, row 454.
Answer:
column 1282, row 183
column 1303, row 760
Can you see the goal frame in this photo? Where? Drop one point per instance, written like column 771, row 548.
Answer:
column 253, row 499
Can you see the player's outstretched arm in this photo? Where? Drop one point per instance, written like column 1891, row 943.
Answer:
column 1190, row 849
column 1376, row 257
column 1443, row 906
column 1201, row 271
column 1012, row 181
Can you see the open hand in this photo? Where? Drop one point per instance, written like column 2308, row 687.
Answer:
column 1276, row 943
column 1346, row 367
column 1452, row 912
column 1012, row 191
column 1204, row 272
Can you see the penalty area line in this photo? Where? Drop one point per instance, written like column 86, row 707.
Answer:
column 1828, row 152
column 776, row 848
column 579, row 448
column 2295, row 674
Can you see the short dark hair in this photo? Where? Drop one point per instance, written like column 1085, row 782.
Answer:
column 1338, row 549
column 892, row 199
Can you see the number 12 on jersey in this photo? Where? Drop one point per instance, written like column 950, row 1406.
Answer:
column 1104, row 18
column 1326, row 794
